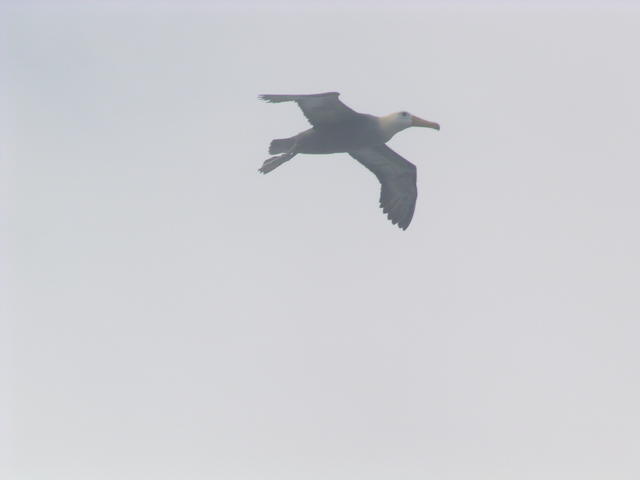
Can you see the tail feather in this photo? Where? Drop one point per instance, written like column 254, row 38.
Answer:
column 281, row 145
column 274, row 162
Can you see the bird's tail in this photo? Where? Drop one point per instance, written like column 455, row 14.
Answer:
column 274, row 162
column 281, row 145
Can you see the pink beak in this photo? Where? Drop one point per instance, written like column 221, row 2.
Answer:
column 419, row 122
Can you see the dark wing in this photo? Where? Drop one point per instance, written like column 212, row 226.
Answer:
column 398, row 179
column 320, row 108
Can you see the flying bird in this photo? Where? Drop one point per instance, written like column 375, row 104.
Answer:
column 336, row 128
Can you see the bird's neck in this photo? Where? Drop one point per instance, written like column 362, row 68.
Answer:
column 389, row 126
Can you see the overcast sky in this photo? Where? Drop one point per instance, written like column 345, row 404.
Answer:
column 178, row 315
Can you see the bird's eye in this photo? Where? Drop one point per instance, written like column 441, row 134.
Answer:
column 404, row 114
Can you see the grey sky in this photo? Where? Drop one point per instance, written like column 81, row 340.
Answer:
column 178, row 315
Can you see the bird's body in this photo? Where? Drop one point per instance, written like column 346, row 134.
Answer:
column 339, row 137
column 338, row 129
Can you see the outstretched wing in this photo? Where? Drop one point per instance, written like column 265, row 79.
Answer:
column 320, row 108
column 398, row 179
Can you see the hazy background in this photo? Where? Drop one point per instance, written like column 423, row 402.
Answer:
column 178, row 315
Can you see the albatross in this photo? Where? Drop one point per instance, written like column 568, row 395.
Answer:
column 336, row 128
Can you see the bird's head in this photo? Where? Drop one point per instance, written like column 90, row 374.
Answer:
column 396, row 122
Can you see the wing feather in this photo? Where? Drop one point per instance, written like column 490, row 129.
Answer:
column 397, row 177
column 320, row 108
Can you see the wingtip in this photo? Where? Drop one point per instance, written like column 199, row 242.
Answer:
column 401, row 223
column 272, row 98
